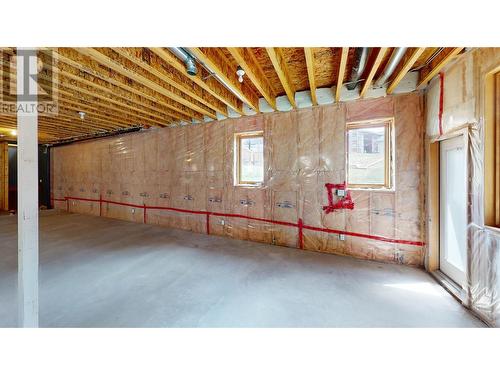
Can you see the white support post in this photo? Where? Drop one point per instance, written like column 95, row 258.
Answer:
column 27, row 187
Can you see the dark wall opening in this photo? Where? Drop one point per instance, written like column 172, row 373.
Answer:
column 43, row 177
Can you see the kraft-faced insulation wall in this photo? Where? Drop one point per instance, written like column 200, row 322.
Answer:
column 189, row 169
column 462, row 89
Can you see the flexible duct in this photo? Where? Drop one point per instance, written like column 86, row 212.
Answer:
column 391, row 66
column 186, row 58
column 359, row 66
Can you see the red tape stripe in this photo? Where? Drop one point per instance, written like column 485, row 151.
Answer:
column 369, row 236
column 441, row 102
column 300, row 225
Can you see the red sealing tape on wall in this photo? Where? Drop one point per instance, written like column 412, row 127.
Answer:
column 343, row 203
column 299, row 225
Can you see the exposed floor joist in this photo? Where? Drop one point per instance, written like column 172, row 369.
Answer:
column 439, row 66
column 281, row 69
column 373, row 70
column 310, row 73
column 113, row 62
column 405, row 69
column 152, row 63
column 210, row 84
column 341, row 74
column 247, row 61
column 218, row 64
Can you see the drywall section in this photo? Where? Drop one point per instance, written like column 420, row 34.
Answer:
column 455, row 102
column 183, row 177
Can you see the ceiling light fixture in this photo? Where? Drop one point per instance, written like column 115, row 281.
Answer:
column 240, row 73
column 13, row 132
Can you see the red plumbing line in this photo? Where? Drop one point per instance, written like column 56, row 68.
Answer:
column 369, row 236
column 441, row 102
column 301, row 234
column 208, row 222
column 298, row 225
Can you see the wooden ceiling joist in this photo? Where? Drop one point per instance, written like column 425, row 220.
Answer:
column 46, row 127
column 70, row 112
column 341, row 74
column 245, row 58
column 100, row 105
column 114, row 62
column 405, row 69
column 309, row 54
column 110, row 86
column 77, row 84
column 149, row 61
column 75, row 100
column 210, row 84
column 438, row 67
column 279, row 64
column 59, row 125
column 116, row 95
column 110, row 101
column 217, row 63
column 92, row 67
column 373, row 70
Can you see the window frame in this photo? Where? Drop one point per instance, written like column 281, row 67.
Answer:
column 388, row 124
column 491, row 177
column 238, row 137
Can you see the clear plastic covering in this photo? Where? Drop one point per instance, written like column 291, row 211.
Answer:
column 462, row 90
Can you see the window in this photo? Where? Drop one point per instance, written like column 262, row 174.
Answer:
column 369, row 154
column 249, row 160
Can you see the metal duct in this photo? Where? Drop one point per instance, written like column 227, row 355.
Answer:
column 186, row 58
column 359, row 66
column 396, row 57
column 221, row 81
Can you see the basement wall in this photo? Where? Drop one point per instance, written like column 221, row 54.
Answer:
column 463, row 110
column 191, row 168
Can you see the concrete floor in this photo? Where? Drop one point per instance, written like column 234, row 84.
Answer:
column 98, row 272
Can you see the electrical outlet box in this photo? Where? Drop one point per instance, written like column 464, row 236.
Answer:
column 222, row 222
column 133, row 210
column 340, row 192
column 342, row 237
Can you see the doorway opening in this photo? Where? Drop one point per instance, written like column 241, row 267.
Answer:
column 453, row 209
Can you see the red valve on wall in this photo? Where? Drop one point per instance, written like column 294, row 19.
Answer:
column 342, row 203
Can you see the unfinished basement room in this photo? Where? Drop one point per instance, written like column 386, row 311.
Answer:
column 250, row 187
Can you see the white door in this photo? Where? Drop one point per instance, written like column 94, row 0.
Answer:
column 453, row 209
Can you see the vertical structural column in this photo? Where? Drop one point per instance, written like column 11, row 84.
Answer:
column 27, row 196
column 4, row 176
